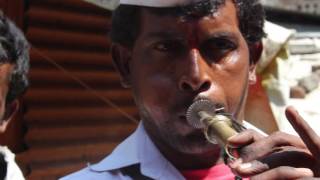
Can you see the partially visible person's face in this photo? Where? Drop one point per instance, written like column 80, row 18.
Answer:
column 174, row 62
column 5, row 73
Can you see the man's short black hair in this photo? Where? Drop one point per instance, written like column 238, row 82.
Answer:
column 14, row 49
column 126, row 18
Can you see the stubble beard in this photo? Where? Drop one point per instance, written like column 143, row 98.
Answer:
column 164, row 134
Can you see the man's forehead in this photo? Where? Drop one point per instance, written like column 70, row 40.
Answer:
column 224, row 24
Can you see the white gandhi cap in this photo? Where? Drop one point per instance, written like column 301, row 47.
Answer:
column 158, row 3
column 112, row 4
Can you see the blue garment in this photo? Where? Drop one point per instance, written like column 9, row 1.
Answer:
column 136, row 149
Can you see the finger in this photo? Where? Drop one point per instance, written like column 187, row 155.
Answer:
column 284, row 173
column 309, row 136
column 248, row 169
column 292, row 158
column 274, row 143
column 275, row 160
column 244, row 138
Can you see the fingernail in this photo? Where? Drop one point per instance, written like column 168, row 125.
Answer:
column 306, row 172
column 296, row 111
column 232, row 138
column 245, row 166
column 234, row 164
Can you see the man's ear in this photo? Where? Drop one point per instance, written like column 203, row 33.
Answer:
column 10, row 111
column 255, row 54
column 121, row 57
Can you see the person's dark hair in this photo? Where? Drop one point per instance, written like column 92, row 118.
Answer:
column 14, row 49
column 126, row 18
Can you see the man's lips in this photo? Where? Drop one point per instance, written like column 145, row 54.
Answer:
column 185, row 126
column 182, row 117
column 183, row 120
column 192, row 132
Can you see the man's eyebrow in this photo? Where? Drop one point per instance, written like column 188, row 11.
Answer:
column 222, row 34
column 163, row 35
column 173, row 35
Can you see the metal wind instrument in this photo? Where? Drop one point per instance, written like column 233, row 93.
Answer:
column 217, row 125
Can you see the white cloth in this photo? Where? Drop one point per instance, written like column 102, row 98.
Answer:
column 136, row 149
column 158, row 3
column 13, row 171
column 113, row 4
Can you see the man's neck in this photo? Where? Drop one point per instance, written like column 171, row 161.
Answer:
column 184, row 161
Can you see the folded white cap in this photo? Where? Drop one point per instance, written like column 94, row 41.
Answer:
column 112, row 4
column 158, row 3
column 106, row 4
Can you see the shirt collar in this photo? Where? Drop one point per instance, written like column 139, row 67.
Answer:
column 138, row 149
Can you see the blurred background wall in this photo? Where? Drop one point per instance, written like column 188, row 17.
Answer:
column 66, row 123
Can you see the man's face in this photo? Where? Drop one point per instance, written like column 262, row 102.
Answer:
column 175, row 61
column 5, row 73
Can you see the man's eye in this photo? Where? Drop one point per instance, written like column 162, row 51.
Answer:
column 161, row 47
column 168, row 46
column 217, row 48
column 221, row 44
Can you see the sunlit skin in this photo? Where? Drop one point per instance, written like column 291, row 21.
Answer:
column 5, row 110
column 174, row 62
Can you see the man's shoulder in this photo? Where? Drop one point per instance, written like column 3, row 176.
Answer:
column 125, row 154
column 89, row 174
column 84, row 173
column 107, row 168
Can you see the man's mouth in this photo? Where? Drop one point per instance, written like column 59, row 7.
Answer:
column 196, row 135
column 183, row 120
column 219, row 107
column 182, row 117
column 185, row 125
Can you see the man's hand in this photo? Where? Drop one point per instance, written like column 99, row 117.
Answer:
column 279, row 155
column 307, row 134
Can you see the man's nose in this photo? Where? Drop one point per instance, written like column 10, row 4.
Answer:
column 195, row 77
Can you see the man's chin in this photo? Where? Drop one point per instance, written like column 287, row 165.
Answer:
column 198, row 147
